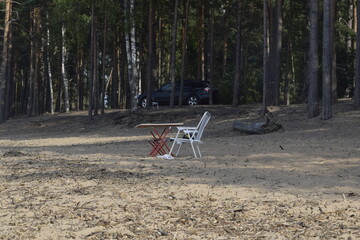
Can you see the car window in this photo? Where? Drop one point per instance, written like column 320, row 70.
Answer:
column 166, row 87
column 196, row 84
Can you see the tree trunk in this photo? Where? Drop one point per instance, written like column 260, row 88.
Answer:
column 96, row 97
column 333, row 51
column 124, row 87
column 327, row 63
column 79, row 79
column 173, row 55
column 160, row 54
column 37, row 82
column 290, row 73
column 48, row 68
column 275, row 90
column 92, row 64
column 211, row 54
column 184, row 50
column 265, row 58
column 33, row 103
column 357, row 63
column 236, row 91
column 115, row 76
column 131, row 54
column 5, row 61
column 64, row 72
column 150, row 63
column 103, row 62
column 225, row 39
column 313, row 107
column 200, row 35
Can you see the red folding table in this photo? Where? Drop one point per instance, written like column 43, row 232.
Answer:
column 159, row 137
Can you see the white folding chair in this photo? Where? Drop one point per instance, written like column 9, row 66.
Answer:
column 191, row 135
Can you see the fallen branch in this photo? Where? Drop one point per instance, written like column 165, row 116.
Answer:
column 268, row 126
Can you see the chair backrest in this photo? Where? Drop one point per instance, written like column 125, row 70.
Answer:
column 202, row 124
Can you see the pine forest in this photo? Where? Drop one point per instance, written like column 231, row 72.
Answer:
column 66, row 55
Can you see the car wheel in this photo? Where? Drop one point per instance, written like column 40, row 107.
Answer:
column 193, row 100
column 143, row 102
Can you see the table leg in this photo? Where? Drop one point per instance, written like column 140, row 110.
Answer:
column 158, row 142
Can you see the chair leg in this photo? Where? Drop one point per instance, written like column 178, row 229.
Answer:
column 177, row 153
column 192, row 146
column 172, row 148
column 197, row 145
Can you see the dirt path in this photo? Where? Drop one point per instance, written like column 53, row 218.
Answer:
column 65, row 178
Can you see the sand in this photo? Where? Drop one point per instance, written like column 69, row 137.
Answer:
column 65, row 178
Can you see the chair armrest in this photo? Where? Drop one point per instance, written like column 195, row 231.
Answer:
column 186, row 128
column 190, row 131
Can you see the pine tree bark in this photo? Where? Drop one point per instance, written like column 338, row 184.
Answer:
column 333, row 51
column 265, row 58
column 313, row 107
column 357, row 62
column 115, row 77
column 173, row 55
column 150, row 63
column 200, row 39
column 5, row 62
column 184, row 51
column 276, row 70
column 211, row 54
column 236, row 91
column 96, row 96
column 92, row 64
column 79, row 79
column 33, row 103
column 225, row 39
column 326, row 112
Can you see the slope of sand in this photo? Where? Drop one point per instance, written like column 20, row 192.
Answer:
column 65, row 178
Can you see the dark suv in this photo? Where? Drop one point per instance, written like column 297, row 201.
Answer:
column 194, row 92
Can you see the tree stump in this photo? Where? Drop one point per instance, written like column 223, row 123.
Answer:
column 268, row 126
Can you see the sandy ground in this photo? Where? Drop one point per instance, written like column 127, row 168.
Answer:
column 65, row 178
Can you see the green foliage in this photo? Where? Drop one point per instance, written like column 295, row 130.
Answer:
column 75, row 16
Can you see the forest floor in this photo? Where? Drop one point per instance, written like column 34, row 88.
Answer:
column 65, row 178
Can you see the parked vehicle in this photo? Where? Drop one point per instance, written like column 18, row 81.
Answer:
column 194, row 92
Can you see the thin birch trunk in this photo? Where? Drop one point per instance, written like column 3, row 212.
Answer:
column 103, row 69
column 49, row 72
column 130, row 40
column 64, row 73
